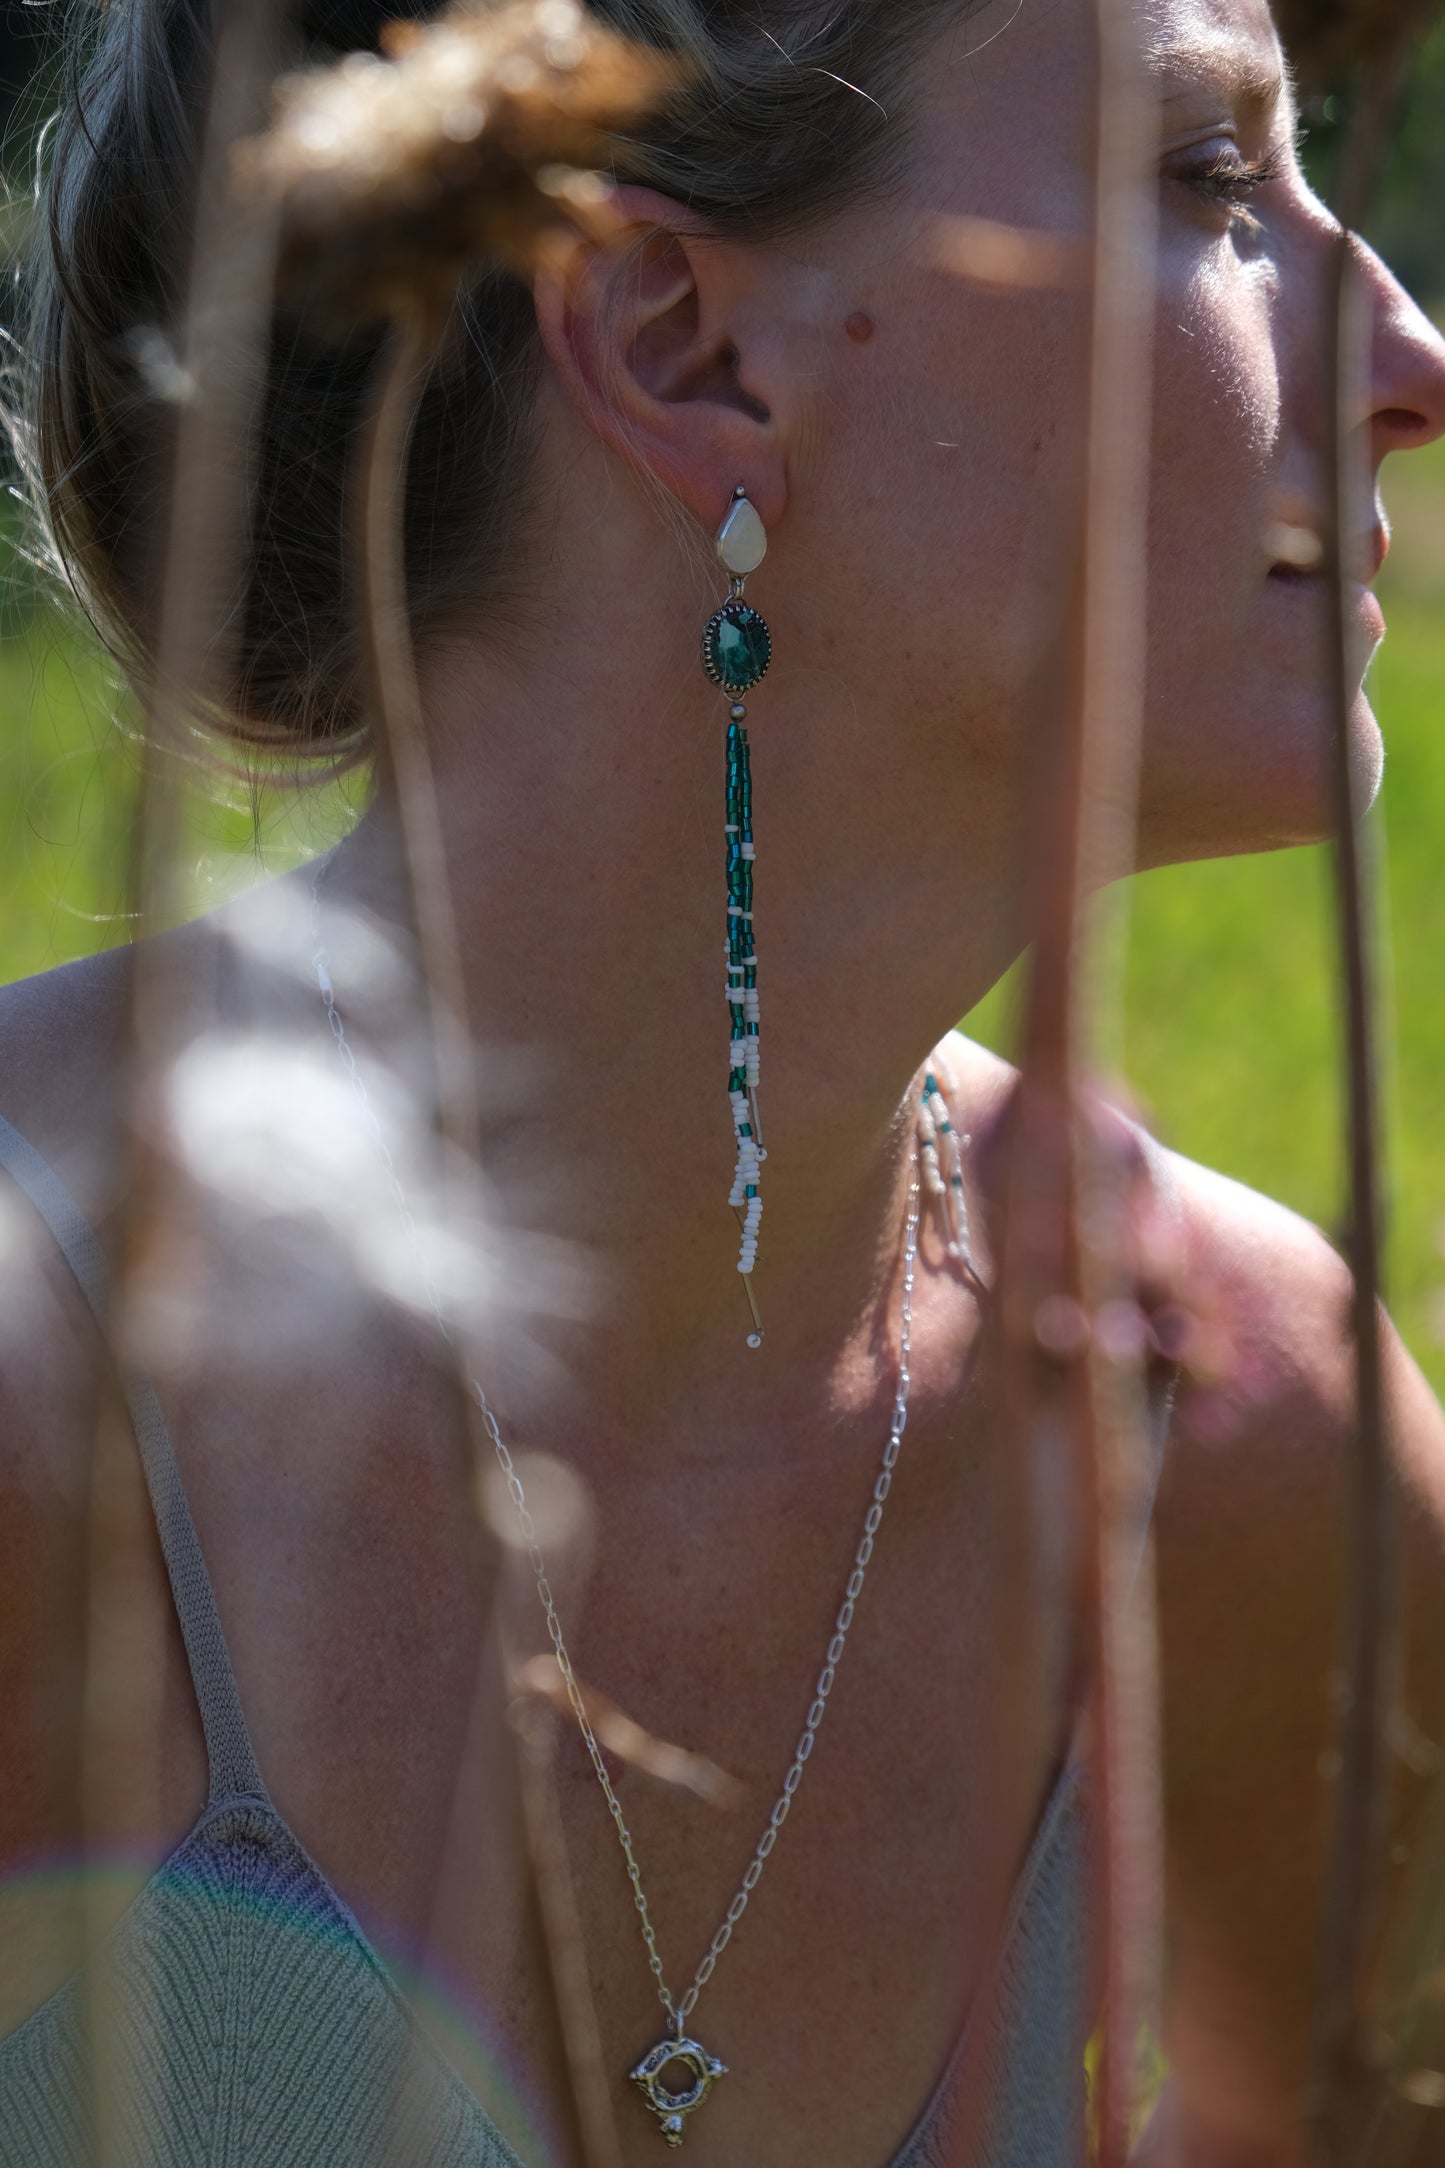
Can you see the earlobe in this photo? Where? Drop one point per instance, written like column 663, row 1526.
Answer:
column 642, row 332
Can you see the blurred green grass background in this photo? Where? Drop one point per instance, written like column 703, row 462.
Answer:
column 1231, row 1024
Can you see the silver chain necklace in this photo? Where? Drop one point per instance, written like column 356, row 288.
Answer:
column 672, row 2108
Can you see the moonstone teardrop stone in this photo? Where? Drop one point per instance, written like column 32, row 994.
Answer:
column 742, row 541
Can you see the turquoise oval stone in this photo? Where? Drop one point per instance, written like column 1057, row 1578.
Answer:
column 737, row 647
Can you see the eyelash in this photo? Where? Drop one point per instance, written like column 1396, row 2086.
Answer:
column 1231, row 181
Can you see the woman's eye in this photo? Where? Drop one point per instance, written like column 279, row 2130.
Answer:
column 1229, row 179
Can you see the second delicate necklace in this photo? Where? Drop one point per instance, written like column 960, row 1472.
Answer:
column 673, row 2107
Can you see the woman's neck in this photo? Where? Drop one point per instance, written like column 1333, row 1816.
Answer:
column 584, row 852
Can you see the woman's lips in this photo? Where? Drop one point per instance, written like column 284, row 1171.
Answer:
column 1363, row 600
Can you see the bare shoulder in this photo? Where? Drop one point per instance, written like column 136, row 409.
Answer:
column 62, row 1037
column 62, row 1052
column 1267, row 1411
column 1256, row 1521
column 1254, row 1527
column 65, row 1040
column 64, row 1060
column 61, row 1042
column 982, row 1079
column 1262, row 1298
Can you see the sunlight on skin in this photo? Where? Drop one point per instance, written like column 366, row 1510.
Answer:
column 913, row 482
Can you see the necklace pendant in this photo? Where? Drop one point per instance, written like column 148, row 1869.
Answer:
column 673, row 2109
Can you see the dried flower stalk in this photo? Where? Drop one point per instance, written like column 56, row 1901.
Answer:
column 535, row 1730
column 621, row 1736
column 1351, row 2084
column 228, row 298
column 390, row 180
column 478, row 136
column 396, row 712
column 1078, row 1412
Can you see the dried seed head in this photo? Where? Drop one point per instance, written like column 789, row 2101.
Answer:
column 474, row 138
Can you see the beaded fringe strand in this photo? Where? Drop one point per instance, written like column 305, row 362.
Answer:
column 737, row 649
column 745, row 1046
column 941, row 1151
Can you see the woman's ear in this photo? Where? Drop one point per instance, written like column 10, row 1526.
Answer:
column 662, row 336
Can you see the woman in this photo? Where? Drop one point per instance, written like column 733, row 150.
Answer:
column 775, row 315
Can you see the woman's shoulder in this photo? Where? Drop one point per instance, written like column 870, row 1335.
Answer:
column 1255, row 1521
column 1253, row 1304
column 66, row 1043
column 63, row 1040
column 1230, row 1253
column 62, row 1036
column 65, row 1067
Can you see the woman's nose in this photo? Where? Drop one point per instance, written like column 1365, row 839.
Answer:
column 1407, row 365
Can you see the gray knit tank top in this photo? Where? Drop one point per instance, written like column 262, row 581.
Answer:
column 249, row 2022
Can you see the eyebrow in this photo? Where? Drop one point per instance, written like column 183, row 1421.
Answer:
column 1258, row 86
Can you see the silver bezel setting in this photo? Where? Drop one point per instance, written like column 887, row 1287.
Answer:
column 673, row 2109
column 730, row 613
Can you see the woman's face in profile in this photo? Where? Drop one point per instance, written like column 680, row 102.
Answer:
column 961, row 452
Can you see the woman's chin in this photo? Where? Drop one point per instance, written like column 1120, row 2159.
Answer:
column 1270, row 786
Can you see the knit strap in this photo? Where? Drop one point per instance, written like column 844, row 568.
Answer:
column 231, row 1762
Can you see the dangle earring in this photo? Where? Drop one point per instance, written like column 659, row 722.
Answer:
column 941, row 1156
column 736, row 651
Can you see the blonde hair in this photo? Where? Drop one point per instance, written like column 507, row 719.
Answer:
column 790, row 112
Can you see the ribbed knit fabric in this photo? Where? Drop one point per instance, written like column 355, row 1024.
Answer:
column 1020, row 2063
column 239, row 2017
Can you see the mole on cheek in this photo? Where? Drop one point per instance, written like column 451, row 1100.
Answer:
column 859, row 328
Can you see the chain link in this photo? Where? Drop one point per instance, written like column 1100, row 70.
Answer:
column 678, row 2012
